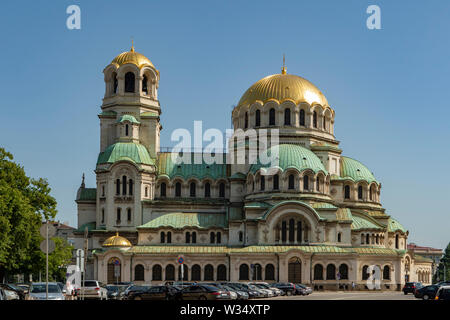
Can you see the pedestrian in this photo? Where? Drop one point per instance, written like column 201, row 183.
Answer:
column 353, row 285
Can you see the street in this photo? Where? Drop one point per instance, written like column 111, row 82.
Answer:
column 357, row 295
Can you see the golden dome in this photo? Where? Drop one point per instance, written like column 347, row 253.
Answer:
column 117, row 241
column 281, row 87
column 132, row 57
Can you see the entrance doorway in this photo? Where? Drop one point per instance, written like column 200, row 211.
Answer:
column 114, row 270
column 295, row 270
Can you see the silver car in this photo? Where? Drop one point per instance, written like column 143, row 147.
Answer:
column 38, row 291
column 93, row 289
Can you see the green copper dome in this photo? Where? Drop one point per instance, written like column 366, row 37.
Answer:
column 292, row 156
column 355, row 170
column 127, row 151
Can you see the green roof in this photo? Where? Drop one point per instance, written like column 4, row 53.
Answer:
column 363, row 223
column 127, row 151
column 235, row 213
column 180, row 220
column 108, row 113
column 167, row 166
column 128, row 117
column 323, row 146
column 355, row 170
column 257, row 205
column 149, row 114
column 88, row 194
column 292, row 156
column 323, row 206
column 394, row 225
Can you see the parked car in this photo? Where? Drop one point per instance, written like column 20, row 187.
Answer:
column 115, row 292
column 243, row 294
column 264, row 285
column 443, row 293
column 10, row 295
column 304, row 289
column 129, row 292
column 287, row 287
column 267, row 292
column 38, row 291
column 427, row 292
column 240, row 295
column 410, row 287
column 157, row 293
column 443, row 283
column 203, row 292
column 24, row 287
column 93, row 289
column 231, row 295
column 19, row 291
column 252, row 291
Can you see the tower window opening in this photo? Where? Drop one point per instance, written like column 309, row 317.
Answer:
column 302, row 117
column 144, row 85
column 315, row 119
column 129, row 82
column 126, row 130
column 124, row 185
column 272, row 117
column 257, row 118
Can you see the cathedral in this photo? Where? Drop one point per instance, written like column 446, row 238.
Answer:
column 315, row 219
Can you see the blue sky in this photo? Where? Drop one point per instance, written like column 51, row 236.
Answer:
column 389, row 87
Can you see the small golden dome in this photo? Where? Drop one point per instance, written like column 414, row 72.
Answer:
column 117, row 241
column 282, row 87
column 132, row 57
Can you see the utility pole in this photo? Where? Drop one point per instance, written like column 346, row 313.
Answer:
column 46, row 260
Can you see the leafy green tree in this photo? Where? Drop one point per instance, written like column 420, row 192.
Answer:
column 445, row 261
column 24, row 202
column 59, row 259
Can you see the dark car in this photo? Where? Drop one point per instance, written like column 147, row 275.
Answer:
column 203, row 292
column 158, row 293
column 443, row 293
column 115, row 292
column 300, row 289
column 287, row 287
column 8, row 286
column 410, row 287
column 252, row 291
column 239, row 288
column 132, row 290
column 427, row 292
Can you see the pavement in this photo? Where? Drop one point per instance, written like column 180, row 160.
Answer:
column 350, row 295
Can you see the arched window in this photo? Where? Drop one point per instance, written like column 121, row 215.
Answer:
column 209, row 273
column 318, row 272
column 207, row 190
column 302, row 117
column 194, row 237
column 170, row 273
column 221, row 273
column 324, row 123
column 192, row 189
column 306, row 183
column 270, row 272
column 263, row 183
column 362, row 238
column 163, row 237
column 129, row 82
column 169, row 237
column 318, row 184
column 347, row 192
column 188, row 237
column 222, row 190
column 219, row 237
column 241, row 236
column 130, row 187
column 396, row 241
column 146, row 192
column 360, row 192
column 287, row 117
column 212, row 237
column 339, row 237
column 144, row 84
column 272, row 117
column 156, row 273
column 365, row 274
column 129, row 214
column 243, row 272
column 367, row 239
column 178, row 189
column 291, row 230
column 115, row 82
column 315, row 119
column 299, row 231
column 276, row 182
column 163, row 189
column 139, row 273
column 124, row 185
column 291, row 182
column 117, row 186
column 283, row 231
column 331, row 272
column 246, row 121
column 118, row 215
column 196, row 273
column 257, row 272
column 343, row 271
column 257, row 118
column 386, row 273
column 126, row 130
column 377, row 239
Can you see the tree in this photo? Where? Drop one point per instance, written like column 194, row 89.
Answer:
column 59, row 259
column 24, row 202
column 445, row 261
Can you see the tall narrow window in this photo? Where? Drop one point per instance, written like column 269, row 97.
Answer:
column 144, row 85
column 192, row 189
column 146, row 192
column 339, row 237
column 396, row 241
column 299, row 231
column 315, row 119
column 169, row 237
column 306, row 183
column 178, row 189
column 283, row 231
column 246, row 120
column 219, row 237
column 163, row 189
column 272, row 117
column 115, row 83
column 360, row 192
column 103, row 215
column 130, row 187
column 263, row 183
column 318, row 184
column 257, row 118
column 347, row 192
column 367, row 239
column 291, row 230
column 212, row 237
column 194, row 237
column 129, row 214
column 126, row 130
column 287, row 117
column 188, row 237
column 291, row 185
column 222, row 190
column 117, row 186
column 276, row 182
column 118, row 215
column 124, row 185
column 163, row 237
column 302, row 117
column 129, row 82
column 207, row 190
column 241, row 236
column 324, row 123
